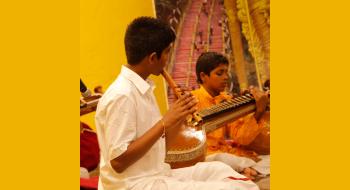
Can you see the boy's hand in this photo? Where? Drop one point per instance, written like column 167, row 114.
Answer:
column 261, row 100
column 182, row 90
column 182, row 107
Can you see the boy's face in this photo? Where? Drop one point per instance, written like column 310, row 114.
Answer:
column 217, row 79
column 162, row 61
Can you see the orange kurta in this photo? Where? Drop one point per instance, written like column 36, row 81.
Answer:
column 242, row 131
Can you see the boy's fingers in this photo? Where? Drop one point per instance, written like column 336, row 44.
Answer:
column 191, row 104
column 186, row 100
column 192, row 110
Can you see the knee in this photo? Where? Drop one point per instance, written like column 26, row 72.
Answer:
column 222, row 165
column 159, row 184
column 218, row 166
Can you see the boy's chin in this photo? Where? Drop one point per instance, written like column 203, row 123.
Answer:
column 222, row 88
column 156, row 73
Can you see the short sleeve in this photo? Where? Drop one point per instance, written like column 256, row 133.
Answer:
column 120, row 126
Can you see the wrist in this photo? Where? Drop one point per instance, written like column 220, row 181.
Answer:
column 163, row 127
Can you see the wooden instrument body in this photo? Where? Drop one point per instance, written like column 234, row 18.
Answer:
column 89, row 104
column 188, row 146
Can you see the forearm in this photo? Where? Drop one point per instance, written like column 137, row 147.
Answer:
column 138, row 148
column 257, row 115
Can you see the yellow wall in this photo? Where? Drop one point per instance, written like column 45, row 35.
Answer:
column 102, row 28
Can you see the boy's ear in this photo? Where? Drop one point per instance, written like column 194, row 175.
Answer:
column 203, row 76
column 152, row 58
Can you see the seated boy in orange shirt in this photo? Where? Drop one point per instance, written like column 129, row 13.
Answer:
column 212, row 75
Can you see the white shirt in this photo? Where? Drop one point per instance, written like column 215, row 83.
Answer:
column 124, row 113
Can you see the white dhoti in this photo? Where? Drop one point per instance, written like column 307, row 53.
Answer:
column 239, row 163
column 202, row 176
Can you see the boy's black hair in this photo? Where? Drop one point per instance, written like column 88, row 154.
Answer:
column 207, row 62
column 144, row 36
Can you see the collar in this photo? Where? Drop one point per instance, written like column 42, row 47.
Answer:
column 204, row 92
column 142, row 85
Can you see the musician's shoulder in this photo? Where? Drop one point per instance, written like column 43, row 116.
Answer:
column 196, row 92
